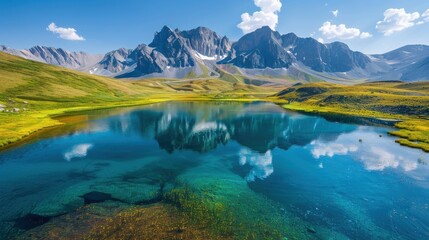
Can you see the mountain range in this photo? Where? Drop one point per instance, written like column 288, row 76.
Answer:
column 260, row 55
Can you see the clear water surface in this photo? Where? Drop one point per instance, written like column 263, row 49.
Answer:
column 342, row 181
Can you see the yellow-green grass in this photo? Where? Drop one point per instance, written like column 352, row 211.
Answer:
column 407, row 103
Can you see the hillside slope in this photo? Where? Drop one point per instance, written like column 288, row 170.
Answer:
column 31, row 92
column 32, row 80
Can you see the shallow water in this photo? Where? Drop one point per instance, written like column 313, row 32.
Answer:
column 337, row 180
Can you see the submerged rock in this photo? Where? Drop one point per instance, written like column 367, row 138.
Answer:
column 71, row 198
column 96, row 197
column 30, row 221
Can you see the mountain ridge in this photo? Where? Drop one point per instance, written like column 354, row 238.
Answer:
column 201, row 52
column 56, row 56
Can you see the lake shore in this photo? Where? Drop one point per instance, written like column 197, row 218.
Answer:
column 23, row 127
column 411, row 132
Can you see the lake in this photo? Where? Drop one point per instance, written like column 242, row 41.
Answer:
column 236, row 170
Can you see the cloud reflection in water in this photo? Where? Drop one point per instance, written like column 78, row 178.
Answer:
column 261, row 163
column 78, row 151
column 331, row 149
column 376, row 153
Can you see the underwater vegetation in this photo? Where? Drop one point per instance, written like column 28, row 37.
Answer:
column 184, row 213
column 154, row 222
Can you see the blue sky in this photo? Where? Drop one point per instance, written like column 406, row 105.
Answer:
column 110, row 24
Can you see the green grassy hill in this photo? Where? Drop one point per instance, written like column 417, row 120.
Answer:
column 32, row 92
column 31, row 80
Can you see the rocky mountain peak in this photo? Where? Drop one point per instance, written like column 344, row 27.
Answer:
column 207, row 42
column 164, row 37
column 114, row 62
column 261, row 36
column 260, row 49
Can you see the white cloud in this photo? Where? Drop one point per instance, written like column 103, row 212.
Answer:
column 268, row 16
column 78, row 151
column 269, row 5
column 335, row 13
column 396, row 20
column 331, row 31
column 65, row 33
column 321, row 40
column 365, row 35
column 425, row 15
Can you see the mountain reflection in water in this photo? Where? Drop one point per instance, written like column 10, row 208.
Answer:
column 254, row 127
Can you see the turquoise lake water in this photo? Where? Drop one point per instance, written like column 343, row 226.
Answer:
column 329, row 180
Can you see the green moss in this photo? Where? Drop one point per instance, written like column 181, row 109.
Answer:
column 203, row 210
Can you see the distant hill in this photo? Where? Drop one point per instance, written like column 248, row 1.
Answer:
column 56, row 56
column 31, row 80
